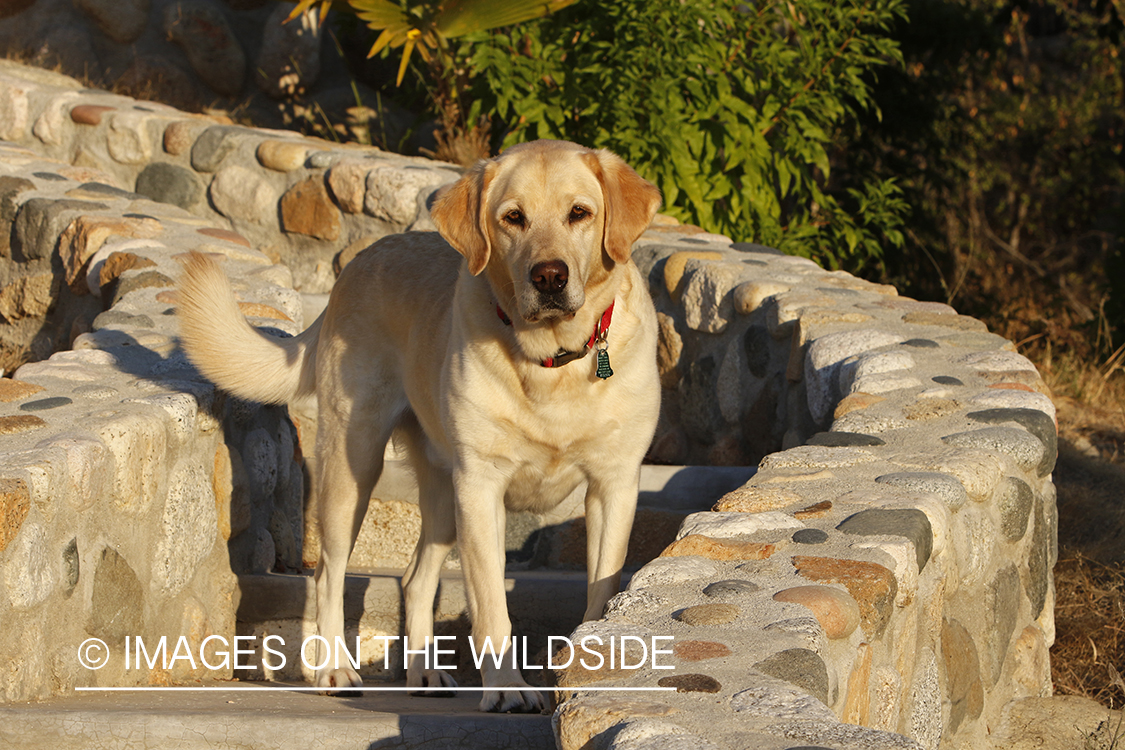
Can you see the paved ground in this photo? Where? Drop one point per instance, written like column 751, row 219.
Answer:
column 251, row 716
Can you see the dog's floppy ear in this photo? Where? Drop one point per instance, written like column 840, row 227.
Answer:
column 458, row 214
column 630, row 203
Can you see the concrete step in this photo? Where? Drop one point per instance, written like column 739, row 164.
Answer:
column 241, row 716
column 682, row 488
column 667, row 493
column 541, row 603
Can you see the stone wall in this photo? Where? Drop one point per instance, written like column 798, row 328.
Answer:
column 231, row 55
column 882, row 581
column 888, row 566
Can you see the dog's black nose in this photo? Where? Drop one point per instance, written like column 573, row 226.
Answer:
column 550, row 276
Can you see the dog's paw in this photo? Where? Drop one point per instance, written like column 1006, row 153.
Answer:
column 338, row 681
column 430, row 682
column 526, row 701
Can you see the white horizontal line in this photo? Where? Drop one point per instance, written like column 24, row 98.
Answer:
column 217, row 689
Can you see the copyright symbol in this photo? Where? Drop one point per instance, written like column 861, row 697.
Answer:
column 93, row 653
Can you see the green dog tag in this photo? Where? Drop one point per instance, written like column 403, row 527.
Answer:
column 603, row 370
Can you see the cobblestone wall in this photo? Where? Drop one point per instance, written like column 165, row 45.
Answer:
column 236, row 55
column 883, row 580
column 888, row 566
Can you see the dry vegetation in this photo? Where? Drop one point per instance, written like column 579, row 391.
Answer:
column 1089, row 652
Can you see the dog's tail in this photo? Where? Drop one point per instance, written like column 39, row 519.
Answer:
column 229, row 351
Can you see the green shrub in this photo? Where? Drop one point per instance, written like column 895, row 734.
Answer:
column 737, row 113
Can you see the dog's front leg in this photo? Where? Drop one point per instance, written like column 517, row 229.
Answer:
column 611, row 501
column 480, row 533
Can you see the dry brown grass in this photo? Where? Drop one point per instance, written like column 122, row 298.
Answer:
column 1089, row 652
column 1090, row 630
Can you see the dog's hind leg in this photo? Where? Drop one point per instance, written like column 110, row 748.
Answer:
column 420, row 581
column 350, row 447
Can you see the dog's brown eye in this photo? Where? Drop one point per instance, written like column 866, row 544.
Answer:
column 578, row 213
column 514, row 218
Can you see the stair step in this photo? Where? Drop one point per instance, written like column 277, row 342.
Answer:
column 541, row 603
column 243, row 716
column 392, row 522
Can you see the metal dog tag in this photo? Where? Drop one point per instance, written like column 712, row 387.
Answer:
column 603, row 370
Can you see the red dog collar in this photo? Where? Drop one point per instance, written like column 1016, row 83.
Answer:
column 597, row 339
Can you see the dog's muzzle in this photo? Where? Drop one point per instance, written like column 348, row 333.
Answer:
column 553, row 297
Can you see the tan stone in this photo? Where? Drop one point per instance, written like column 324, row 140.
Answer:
column 870, row 584
column 823, row 317
column 240, row 505
column 348, row 182
column 18, row 423
column 818, row 510
column 307, row 209
column 979, row 471
column 579, row 721
column 85, row 174
column 857, row 706
column 584, row 668
column 669, row 347
column 13, row 390
column 835, row 610
column 87, row 234
column 127, row 140
column 750, row 499
column 931, row 408
column 699, row 650
column 808, row 476
column 664, row 220
column 224, row 234
column 180, row 135
column 719, row 613
column 282, row 156
column 795, row 367
column 749, row 295
column 1032, row 672
column 27, row 297
column 258, row 310
column 718, row 549
column 963, row 687
column 15, row 502
column 674, row 268
column 118, row 263
column 958, row 322
column 1029, row 378
column 1013, row 387
column 222, row 486
column 855, row 402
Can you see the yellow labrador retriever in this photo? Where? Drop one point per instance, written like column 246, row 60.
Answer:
column 511, row 372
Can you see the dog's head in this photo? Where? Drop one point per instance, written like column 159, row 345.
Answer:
column 546, row 222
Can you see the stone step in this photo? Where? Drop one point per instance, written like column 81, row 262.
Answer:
column 541, row 603
column 681, row 488
column 667, row 493
column 241, row 716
